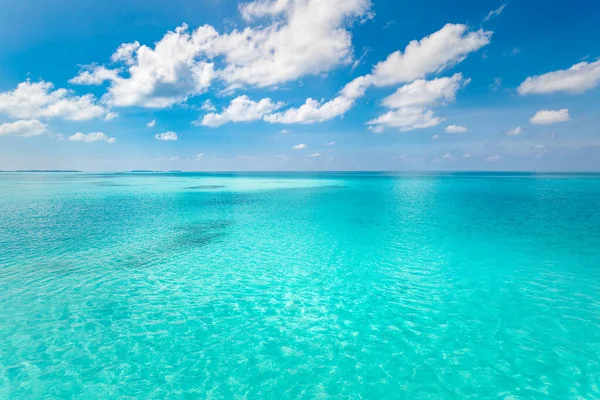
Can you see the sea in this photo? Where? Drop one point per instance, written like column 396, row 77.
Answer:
column 349, row 285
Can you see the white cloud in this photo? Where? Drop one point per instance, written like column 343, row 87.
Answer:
column 577, row 79
column 284, row 131
column 166, row 74
column 493, row 158
column 299, row 146
column 312, row 111
column 304, row 37
column 316, row 155
column 447, row 156
column 514, row 132
column 38, row 100
column 466, row 155
column 435, row 137
column 455, row 129
column 30, row 127
column 199, row 155
column 110, row 116
column 125, row 53
column 166, row 136
column 151, row 123
column 92, row 137
column 95, row 75
column 425, row 93
column 546, row 117
column 434, row 53
column 408, row 118
column 241, row 109
column 494, row 13
column 329, row 144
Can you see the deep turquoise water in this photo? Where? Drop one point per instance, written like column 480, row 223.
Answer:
column 299, row 286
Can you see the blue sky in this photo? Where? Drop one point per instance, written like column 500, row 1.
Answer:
column 300, row 85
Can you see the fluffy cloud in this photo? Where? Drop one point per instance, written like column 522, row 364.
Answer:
column 408, row 118
column 30, row 127
column 299, row 146
column 241, row 109
column 312, row 111
column 434, row 53
column 411, row 104
column 38, row 100
column 302, row 37
column 425, row 93
column 95, row 75
column 92, row 137
column 577, row 79
column 110, row 116
column 455, row 129
column 166, row 136
column 151, row 123
column 546, row 117
column 305, row 37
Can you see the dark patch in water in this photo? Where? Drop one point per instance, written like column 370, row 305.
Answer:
column 204, row 187
column 202, row 233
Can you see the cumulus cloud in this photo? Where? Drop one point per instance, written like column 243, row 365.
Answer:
column 412, row 101
column 577, row 79
column 546, row 117
column 300, row 37
column 426, row 93
column 95, row 75
column 241, row 109
column 312, row 111
column 151, row 123
column 168, row 136
column 434, row 53
column 38, row 100
column 299, row 146
column 29, row 127
column 455, row 129
column 514, row 132
column 92, row 137
column 408, row 118
column 316, row 155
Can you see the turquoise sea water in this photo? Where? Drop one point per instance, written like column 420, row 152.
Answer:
column 369, row 286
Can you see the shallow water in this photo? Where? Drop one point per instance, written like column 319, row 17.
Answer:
column 299, row 286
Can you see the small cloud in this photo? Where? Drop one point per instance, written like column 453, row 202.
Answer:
column 435, row 137
column 110, row 116
column 377, row 128
column 299, row 146
column 151, row 123
column 493, row 158
column 512, row 52
column 199, row 156
column 284, row 131
column 514, row 132
column 539, row 146
column 166, row 136
column 455, row 129
column 329, row 144
column 547, row 117
column 24, row 128
column 316, row 155
column 208, row 106
column 494, row 13
column 92, row 137
column 447, row 156
column 389, row 24
column 466, row 155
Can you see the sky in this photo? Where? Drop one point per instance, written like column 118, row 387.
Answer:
column 221, row 85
